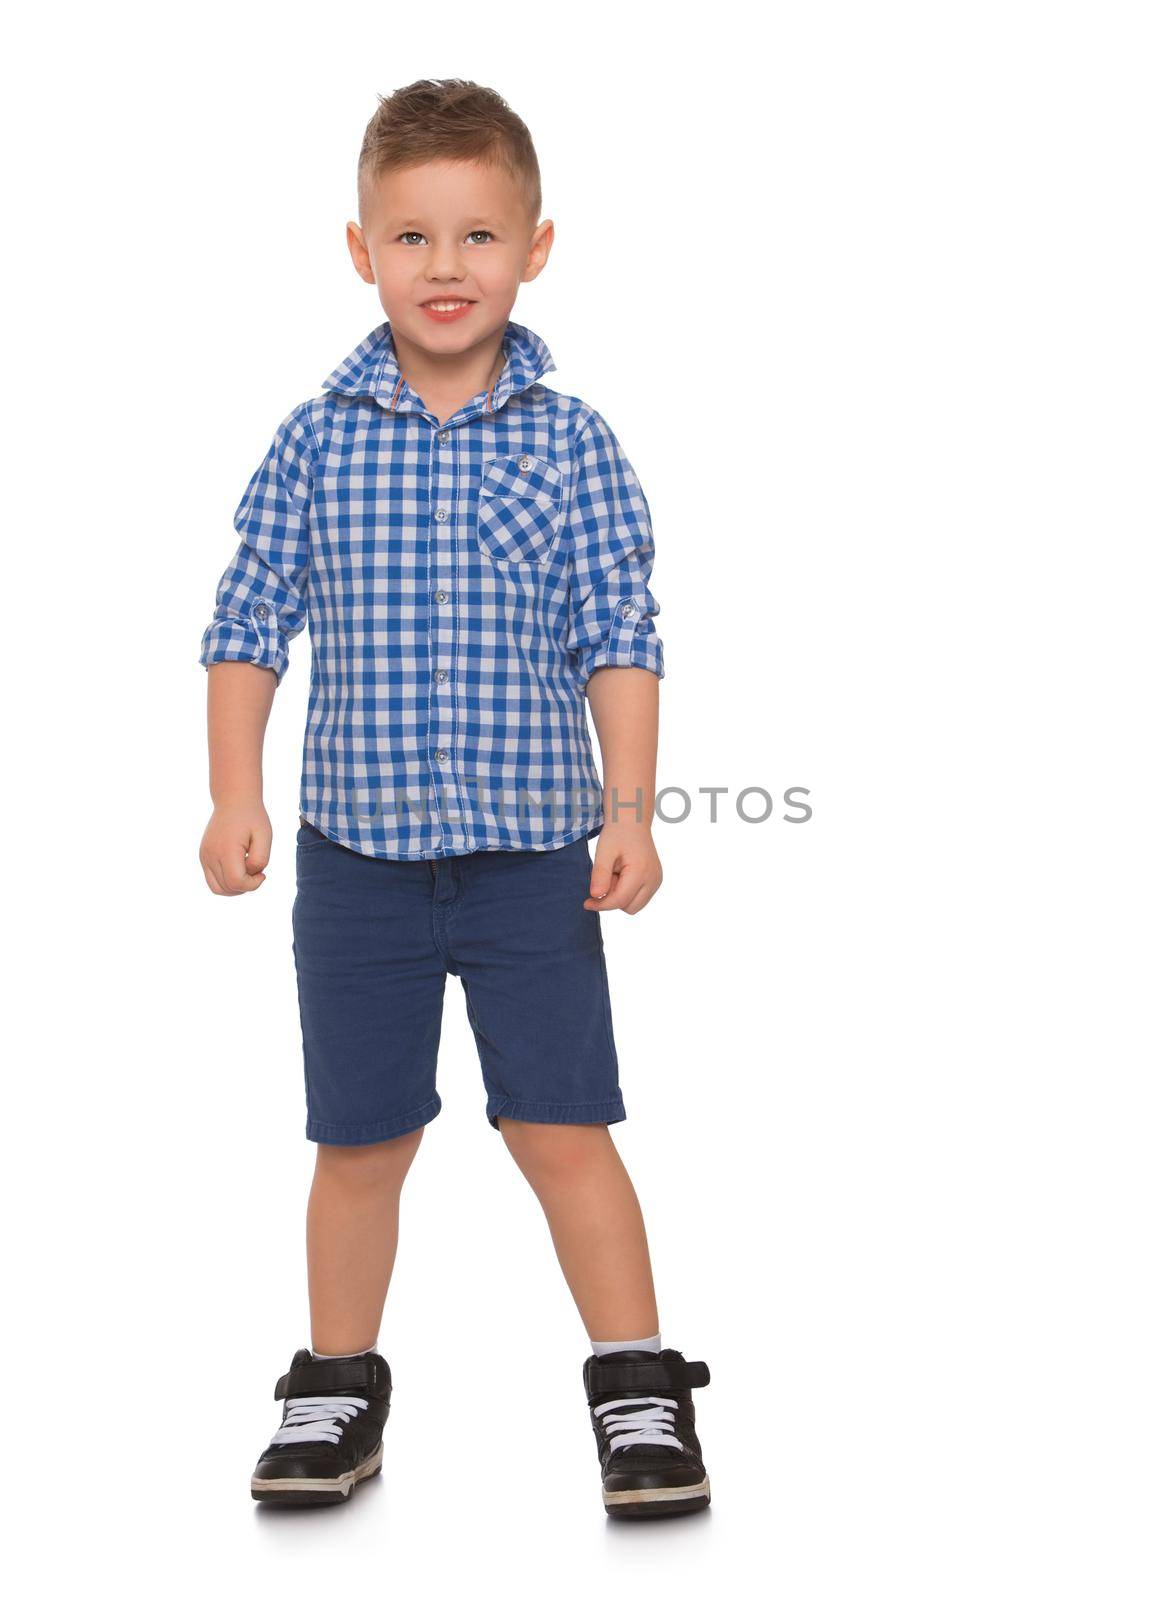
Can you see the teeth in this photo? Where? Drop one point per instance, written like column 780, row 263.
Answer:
column 446, row 305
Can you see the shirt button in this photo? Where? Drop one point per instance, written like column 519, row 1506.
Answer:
column 524, row 463
column 441, row 514
column 260, row 612
column 628, row 610
column 441, row 596
column 441, row 675
column 442, row 755
column 443, row 437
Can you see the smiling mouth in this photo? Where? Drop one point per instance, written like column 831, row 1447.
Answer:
column 445, row 305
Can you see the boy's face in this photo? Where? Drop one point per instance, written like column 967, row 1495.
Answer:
column 448, row 232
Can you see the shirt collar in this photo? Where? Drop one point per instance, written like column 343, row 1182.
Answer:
column 372, row 369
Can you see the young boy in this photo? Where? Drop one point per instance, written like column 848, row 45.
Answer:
column 470, row 550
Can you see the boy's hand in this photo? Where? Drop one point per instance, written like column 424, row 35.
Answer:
column 627, row 871
column 235, row 848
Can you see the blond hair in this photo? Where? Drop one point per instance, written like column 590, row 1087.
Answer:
column 446, row 119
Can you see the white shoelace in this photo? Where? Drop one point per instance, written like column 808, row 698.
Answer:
column 654, row 1424
column 316, row 1419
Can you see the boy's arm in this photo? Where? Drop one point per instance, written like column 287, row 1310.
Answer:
column 627, row 871
column 236, row 844
column 619, row 659
column 260, row 608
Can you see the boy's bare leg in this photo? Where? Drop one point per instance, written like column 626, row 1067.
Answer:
column 351, row 1239
column 595, row 1222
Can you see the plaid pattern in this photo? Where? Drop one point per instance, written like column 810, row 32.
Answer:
column 460, row 585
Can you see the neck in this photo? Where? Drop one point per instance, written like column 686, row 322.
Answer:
column 446, row 383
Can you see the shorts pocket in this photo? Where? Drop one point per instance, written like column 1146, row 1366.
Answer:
column 311, row 838
column 519, row 507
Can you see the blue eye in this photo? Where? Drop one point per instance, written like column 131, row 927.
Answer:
column 412, row 233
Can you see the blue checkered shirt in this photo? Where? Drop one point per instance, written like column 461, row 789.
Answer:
column 460, row 584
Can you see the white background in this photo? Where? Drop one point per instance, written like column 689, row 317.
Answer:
column 866, row 293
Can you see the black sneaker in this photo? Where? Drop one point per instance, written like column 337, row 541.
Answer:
column 643, row 1419
column 330, row 1433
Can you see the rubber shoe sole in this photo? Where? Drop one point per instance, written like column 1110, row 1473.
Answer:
column 315, row 1491
column 677, row 1501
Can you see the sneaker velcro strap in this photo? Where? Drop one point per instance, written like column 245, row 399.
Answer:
column 328, row 1377
column 658, row 1375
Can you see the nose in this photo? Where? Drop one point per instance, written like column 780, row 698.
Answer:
column 444, row 263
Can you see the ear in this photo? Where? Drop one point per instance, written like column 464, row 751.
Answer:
column 359, row 251
column 541, row 242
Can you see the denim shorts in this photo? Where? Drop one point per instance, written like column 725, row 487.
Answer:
column 373, row 940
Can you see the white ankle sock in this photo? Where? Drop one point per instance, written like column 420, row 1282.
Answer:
column 348, row 1357
column 607, row 1347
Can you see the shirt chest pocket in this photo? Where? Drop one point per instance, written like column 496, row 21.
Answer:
column 519, row 507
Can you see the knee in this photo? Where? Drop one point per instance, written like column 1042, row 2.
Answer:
column 369, row 1166
column 549, row 1152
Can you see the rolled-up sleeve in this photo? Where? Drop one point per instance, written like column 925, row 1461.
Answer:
column 260, row 600
column 612, row 553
